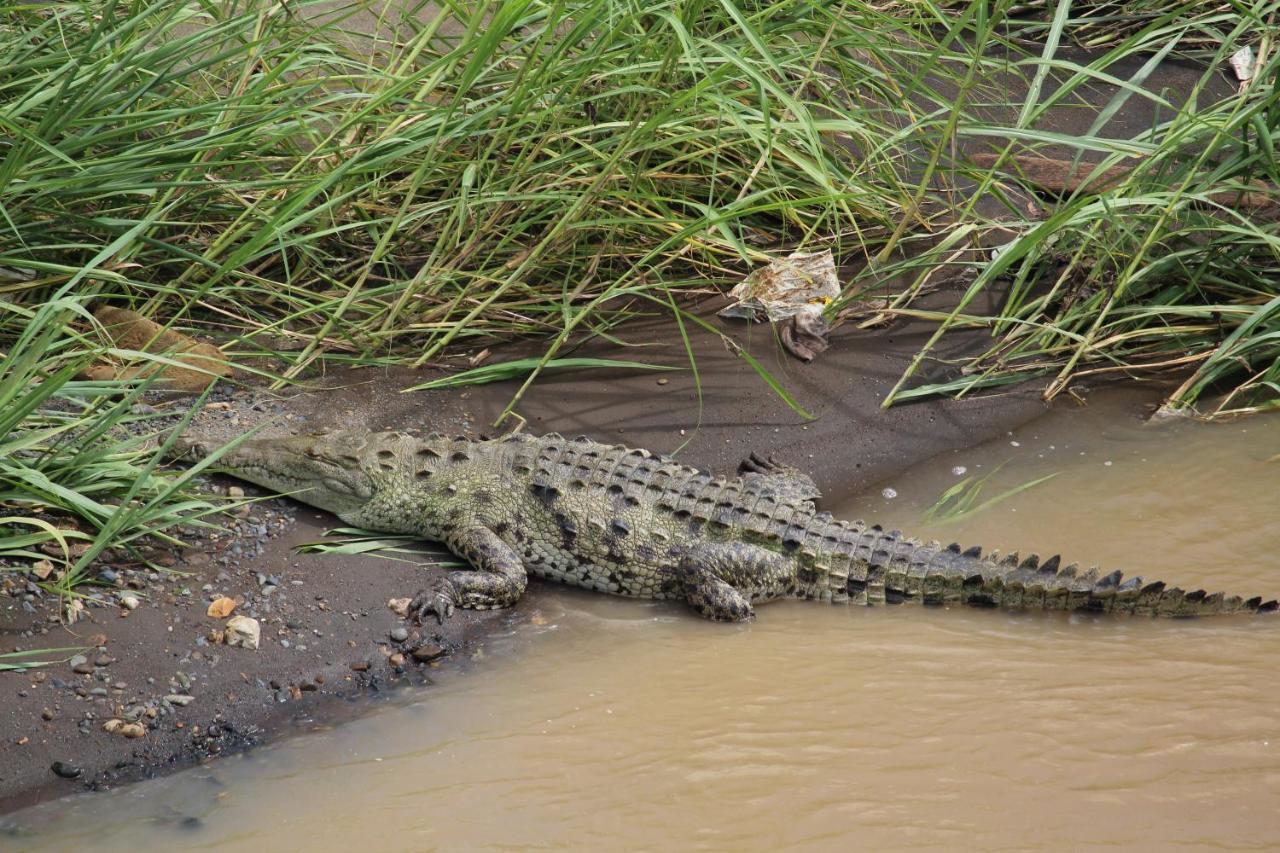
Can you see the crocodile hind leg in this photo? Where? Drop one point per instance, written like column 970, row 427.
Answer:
column 498, row 581
column 721, row 580
column 711, row 596
column 779, row 480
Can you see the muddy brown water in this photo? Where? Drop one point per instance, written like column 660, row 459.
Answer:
column 611, row 724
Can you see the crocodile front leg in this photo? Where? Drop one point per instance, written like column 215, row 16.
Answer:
column 498, row 581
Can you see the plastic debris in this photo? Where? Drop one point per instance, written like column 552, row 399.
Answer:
column 785, row 287
column 1242, row 63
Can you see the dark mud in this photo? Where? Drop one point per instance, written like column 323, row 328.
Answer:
column 326, row 627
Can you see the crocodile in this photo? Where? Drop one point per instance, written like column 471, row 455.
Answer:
column 629, row 522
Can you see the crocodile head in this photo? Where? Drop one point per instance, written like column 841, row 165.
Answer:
column 323, row 470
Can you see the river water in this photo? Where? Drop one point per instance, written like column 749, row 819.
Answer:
column 607, row 724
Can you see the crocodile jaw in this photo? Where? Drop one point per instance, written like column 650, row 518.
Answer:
column 311, row 468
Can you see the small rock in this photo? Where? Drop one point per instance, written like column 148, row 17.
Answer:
column 399, row 606
column 360, row 666
column 65, row 770
column 179, row 699
column 428, row 652
column 130, row 602
column 133, row 730
column 46, row 714
column 112, row 726
column 84, row 668
column 396, row 660
column 42, row 569
column 103, row 660
column 235, row 492
column 400, row 634
column 77, row 660
column 243, row 631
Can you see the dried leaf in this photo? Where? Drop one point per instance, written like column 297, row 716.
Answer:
column 221, row 608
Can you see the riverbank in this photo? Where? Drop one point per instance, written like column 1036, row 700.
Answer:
column 326, row 628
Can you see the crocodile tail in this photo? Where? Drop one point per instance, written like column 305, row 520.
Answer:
column 935, row 575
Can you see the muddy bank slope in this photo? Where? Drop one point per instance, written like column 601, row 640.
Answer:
column 327, row 634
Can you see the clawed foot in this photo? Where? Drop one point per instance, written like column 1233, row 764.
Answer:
column 760, row 464
column 774, row 477
column 437, row 600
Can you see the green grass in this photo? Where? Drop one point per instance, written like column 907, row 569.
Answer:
column 1162, row 272
column 35, row 658
column 263, row 173
column 961, row 500
column 78, row 466
column 521, row 166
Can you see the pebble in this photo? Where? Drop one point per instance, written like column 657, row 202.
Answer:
column 360, row 666
column 133, row 730
column 889, row 494
column 84, row 668
column 244, row 631
column 77, row 660
column 179, row 699
column 428, row 652
column 130, row 602
column 400, row 634
column 104, row 660
column 66, row 770
column 46, row 714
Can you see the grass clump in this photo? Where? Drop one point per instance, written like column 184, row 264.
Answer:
column 1171, row 267
column 78, row 468
column 471, row 171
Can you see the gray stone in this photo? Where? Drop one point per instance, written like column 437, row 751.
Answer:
column 66, row 770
